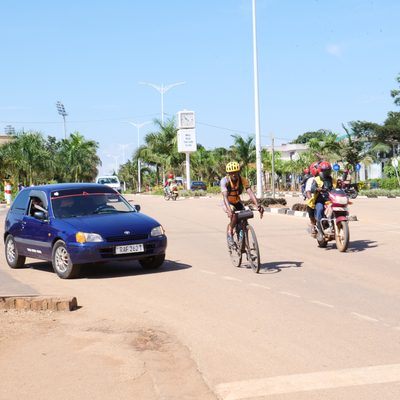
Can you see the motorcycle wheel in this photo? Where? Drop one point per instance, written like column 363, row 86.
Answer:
column 166, row 198
column 322, row 243
column 342, row 235
column 174, row 197
column 353, row 195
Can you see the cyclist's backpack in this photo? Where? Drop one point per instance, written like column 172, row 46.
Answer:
column 229, row 186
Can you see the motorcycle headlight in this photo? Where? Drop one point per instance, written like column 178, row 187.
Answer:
column 157, row 231
column 84, row 237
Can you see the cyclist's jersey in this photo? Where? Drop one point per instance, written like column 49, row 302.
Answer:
column 234, row 193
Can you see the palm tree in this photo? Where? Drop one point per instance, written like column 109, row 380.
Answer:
column 244, row 151
column 79, row 158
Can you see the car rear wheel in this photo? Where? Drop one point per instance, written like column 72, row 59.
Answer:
column 152, row 262
column 62, row 262
column 12, row 257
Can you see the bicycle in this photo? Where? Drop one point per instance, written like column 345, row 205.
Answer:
column 245, row 241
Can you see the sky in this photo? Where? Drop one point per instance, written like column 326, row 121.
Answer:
column 321, row 64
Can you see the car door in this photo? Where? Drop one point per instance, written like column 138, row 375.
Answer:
column 35, row 232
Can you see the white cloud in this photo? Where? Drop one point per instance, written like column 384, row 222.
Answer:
column 335, row 49
column 366, row 98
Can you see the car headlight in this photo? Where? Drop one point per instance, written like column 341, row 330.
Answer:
column 83, row 237
column 157, row 231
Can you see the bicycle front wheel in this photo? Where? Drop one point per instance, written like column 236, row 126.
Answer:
column 253, row 252
column 235, row 252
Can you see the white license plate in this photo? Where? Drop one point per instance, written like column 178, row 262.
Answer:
column 131, row 248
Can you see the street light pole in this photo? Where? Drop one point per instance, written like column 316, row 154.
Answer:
column 162, row 90
column 116, row 158
column 61, row 111
column 257, row 106
column 138, row 126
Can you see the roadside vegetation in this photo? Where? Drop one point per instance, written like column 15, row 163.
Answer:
column 32, row 159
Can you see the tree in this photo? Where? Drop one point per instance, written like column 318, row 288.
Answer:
column 79, row 158
column 308, row 136
column 244, row 151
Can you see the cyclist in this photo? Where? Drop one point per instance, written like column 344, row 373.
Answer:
column 232, row 187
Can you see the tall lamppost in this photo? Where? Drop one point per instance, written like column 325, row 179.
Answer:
column 9, row 130
column 257, row 106
column 61, row 111
column 162, row 90
column 138, row 126
column 116, row 163
column 123, row 150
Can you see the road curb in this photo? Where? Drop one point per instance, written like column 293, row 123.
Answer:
column 38, row 303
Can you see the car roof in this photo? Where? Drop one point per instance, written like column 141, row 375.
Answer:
column 62, row 186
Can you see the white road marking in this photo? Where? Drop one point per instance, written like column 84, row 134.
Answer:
column 364, row 317
column 289, row 294
column 257, row 285
column 229, row 278
column 307, row 382
column 207, row 272
column 322, row 304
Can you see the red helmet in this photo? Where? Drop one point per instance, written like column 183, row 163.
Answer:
column 324, row 170
column 171, row 175
column 306, row 171
column 346, row 170
column 314, row 168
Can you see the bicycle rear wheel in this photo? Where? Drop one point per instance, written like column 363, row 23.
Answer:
column 235, row 252
column 253, row 253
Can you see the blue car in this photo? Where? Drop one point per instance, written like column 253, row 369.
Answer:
column 72, row 224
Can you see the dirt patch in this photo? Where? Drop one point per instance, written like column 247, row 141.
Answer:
column 59, row 355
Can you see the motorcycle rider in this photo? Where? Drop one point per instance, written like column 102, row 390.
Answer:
column 307, row 191
column 306, row 177
column 318, row 198
column 170, row 182
column 232, row 187
column 346, row 178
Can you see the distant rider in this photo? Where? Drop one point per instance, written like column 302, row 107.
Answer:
column 307, row 191
column 169, row 184
column 306, row 177
column 318, row 198
column 346, row 178
column 232, row 187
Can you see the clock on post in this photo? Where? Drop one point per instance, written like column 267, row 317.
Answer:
column 186, row 119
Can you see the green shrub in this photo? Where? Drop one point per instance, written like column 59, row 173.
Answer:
column 192, row 193
column 267, row 201
column 380, row 192
column 299, row 207
column 214, row 189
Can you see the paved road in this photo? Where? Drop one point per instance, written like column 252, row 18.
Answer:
column 314, row 324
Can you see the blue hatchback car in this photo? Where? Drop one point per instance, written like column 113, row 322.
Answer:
column 71, row 224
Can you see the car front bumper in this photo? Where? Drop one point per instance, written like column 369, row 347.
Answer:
column 83, row 253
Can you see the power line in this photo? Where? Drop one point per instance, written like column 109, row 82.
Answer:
column 76, row 122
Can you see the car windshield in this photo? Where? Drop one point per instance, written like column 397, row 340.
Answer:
column 79, row 203
column 111, row 179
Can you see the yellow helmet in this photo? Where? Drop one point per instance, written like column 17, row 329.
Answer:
column 232, row 167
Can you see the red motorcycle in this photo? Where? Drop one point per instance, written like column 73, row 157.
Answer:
column 335, row 225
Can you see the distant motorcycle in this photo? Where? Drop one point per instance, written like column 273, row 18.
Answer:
column 172, row 193
column 335, row 224
column 351, row 190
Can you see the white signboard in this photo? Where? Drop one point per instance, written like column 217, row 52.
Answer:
column 187, row 141
column 395, row 162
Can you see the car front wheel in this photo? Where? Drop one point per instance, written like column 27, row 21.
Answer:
column 62, row 264
column 152, row 262
column 12, row 257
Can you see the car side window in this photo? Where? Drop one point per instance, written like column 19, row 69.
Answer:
column 20, row 202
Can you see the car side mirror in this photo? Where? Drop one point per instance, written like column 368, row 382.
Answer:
column 137, row 206
column 39, row 215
